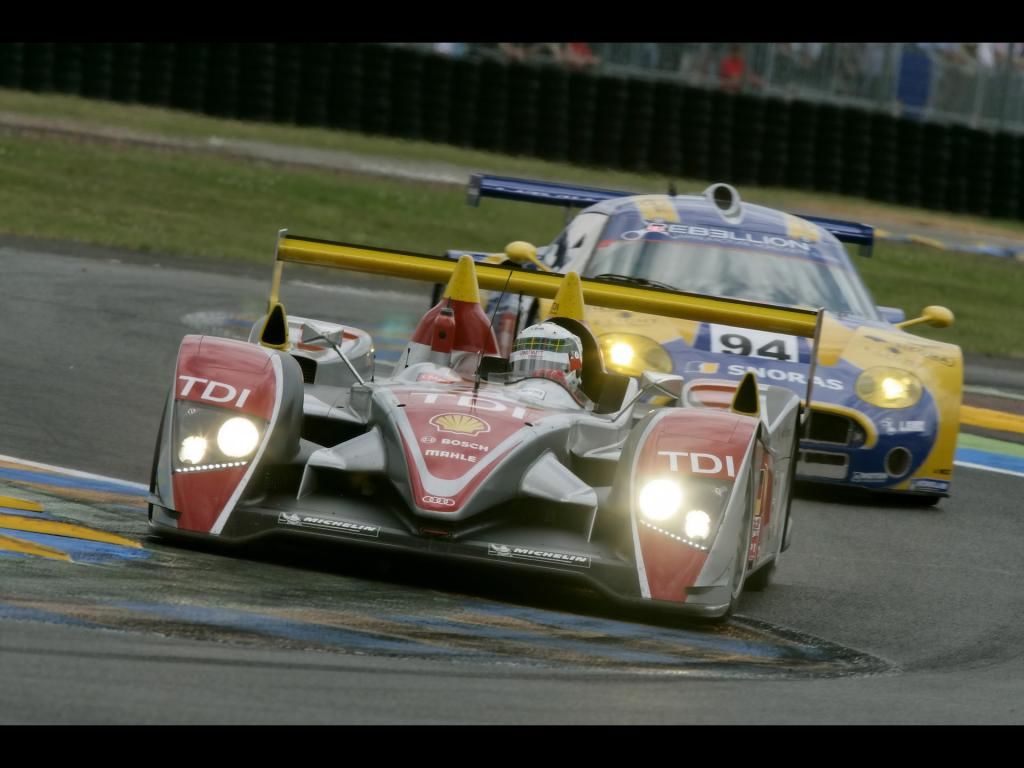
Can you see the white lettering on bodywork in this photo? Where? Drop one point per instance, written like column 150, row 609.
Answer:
column 227, row 393
column 700, row 463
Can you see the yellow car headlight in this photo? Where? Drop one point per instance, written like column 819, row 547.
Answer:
column 889, row 387
column 632, row 354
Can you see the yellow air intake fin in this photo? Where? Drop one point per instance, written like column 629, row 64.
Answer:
column 747, row 400
column 275, row 328
column 463, row 285
column 569, row 299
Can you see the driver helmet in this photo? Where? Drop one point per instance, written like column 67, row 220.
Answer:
column 549, row 351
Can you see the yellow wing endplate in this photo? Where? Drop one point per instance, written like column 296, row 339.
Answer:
column 545, row 285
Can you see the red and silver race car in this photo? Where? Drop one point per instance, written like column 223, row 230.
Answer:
column 462, row 454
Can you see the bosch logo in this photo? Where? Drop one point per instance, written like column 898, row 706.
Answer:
column 444, row 501
column 428, row 439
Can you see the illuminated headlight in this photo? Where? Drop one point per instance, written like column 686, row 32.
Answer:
column 632, row 354
column 192, row 449
column 660, row 499
column 889, row 387
column 698, row 524
column 620, row 353
column 212, row 438
column 237, row 437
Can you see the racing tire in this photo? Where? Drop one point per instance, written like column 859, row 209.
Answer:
column 759, row 580
column 787, row 527
column 739, row 577
column 904, row 500
column 715, row 621
column 156, row 451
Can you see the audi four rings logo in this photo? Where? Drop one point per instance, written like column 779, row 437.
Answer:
column 444, row 501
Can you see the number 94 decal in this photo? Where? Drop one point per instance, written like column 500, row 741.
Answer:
column 750, row 343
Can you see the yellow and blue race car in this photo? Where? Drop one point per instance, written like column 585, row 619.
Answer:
column 884, row 404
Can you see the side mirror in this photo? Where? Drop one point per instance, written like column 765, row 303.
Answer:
column 521, row 252
column 668, row 383
column 892, row 315
column 311, row 332
column 936, row 316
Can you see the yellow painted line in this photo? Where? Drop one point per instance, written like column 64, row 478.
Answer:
column 12, row 503
column 11, row 544
column 989, row 419
column 54, row 528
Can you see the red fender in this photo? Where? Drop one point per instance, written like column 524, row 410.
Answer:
column 241, row 379
column 677, row 443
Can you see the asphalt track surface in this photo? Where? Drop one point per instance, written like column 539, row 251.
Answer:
column 882, row 614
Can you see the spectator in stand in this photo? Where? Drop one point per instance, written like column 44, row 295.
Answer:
column 514, row 51
column 731, row 69
column 579, row 56
column 451, row 49
column 647, row 55
column 808, row 53
column 548, row 52
column 873, row 63
column 733, row 72
column 986, row 54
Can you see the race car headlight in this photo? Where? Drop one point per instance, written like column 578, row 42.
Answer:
column 698, row 524
column 889, row 387
column 660, row 499
column 192, row 449
column 621, row 353
column 237, row 437
column 632, row 354
column 208, row 437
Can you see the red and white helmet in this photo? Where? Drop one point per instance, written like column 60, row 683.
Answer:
column 549, row 351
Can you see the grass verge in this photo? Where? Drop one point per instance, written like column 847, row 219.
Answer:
column 204, row 206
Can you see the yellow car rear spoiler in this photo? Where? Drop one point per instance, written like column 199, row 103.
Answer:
column 544, row 285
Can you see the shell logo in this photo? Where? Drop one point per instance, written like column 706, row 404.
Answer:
column 459, row 424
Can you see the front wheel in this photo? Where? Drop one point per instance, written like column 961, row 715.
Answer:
column 761, row 578
column 907, row 500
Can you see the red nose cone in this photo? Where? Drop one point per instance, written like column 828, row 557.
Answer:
column 444, row 331
column 472, row 329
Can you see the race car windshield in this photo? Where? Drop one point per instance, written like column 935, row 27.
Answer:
column 737, row 273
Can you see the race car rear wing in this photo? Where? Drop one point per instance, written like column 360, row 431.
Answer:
column 542, row 285
column 575, row 196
